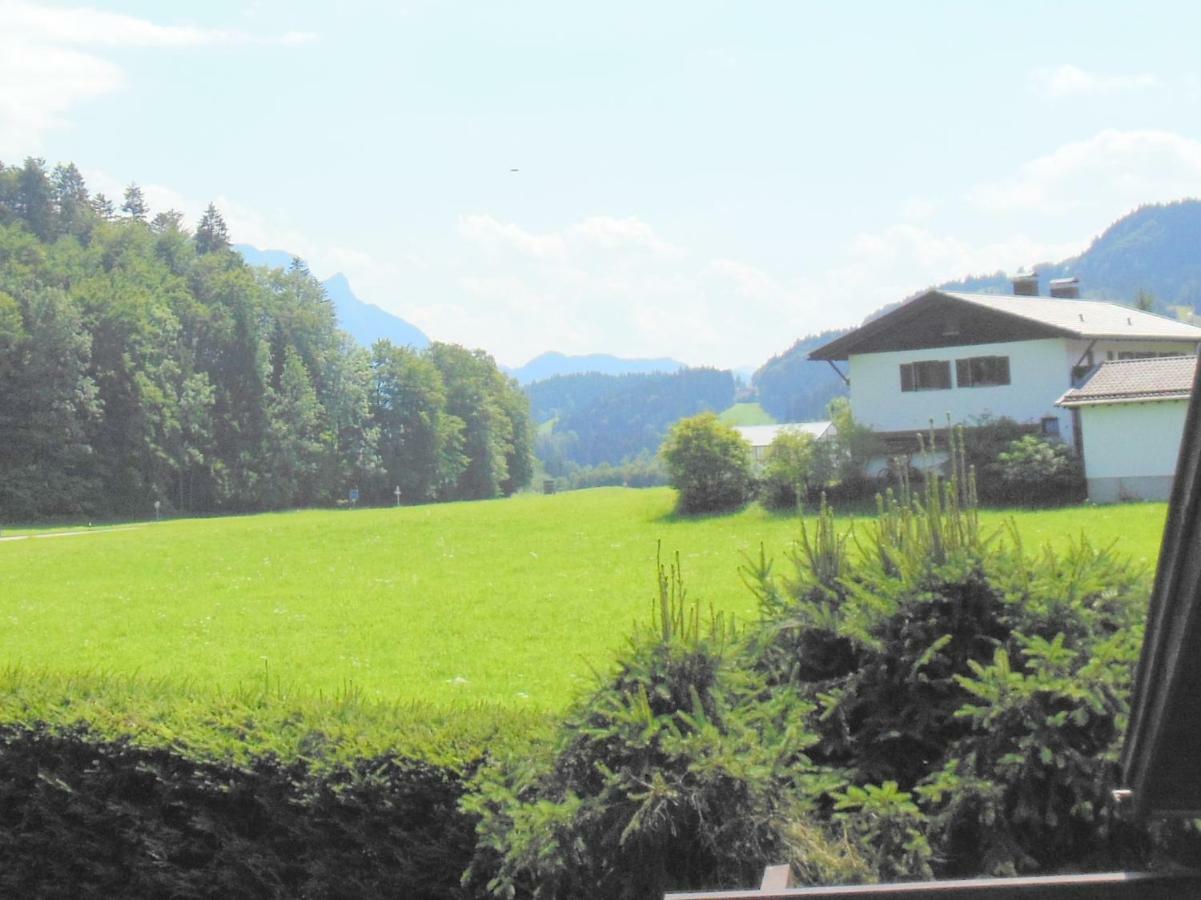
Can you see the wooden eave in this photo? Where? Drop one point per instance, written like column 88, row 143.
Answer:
column 1161, row 758
column 920, row 323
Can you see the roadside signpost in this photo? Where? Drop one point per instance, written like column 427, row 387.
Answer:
column 397, row 493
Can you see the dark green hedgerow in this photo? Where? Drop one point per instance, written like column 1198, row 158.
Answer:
column 82, row 816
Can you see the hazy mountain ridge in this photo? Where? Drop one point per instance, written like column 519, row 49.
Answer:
column 1156, row 248
column 365, row 322
column 553, row 363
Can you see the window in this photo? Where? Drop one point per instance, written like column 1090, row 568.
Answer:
column 931, row 375
column 1049, row 426
column 982, row 371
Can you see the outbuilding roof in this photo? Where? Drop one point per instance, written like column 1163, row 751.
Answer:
column 1012, row 318
column 763, row 435
column 1135, row 381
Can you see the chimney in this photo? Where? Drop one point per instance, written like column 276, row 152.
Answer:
column 1025, row 284
column 1065, row 288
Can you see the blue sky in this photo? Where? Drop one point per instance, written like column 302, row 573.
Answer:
column 703, row 180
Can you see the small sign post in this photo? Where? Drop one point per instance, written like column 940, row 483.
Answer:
column 397, row 493
column 157, row 506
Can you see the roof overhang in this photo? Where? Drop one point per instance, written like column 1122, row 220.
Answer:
column 1070, row 402
column 1161, row 757
column 870, row 333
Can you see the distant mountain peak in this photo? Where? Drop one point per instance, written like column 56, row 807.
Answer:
column 365, row 322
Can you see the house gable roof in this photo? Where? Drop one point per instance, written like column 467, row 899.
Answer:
column 949, row 319
column 1135, row 381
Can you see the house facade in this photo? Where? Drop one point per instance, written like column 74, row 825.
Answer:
column 974, row 356
column 1131, row 419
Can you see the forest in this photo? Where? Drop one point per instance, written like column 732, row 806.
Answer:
column 601, row 419
column 144, row 362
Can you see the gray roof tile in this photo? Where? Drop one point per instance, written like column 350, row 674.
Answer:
column 1087, row 318
column 1134, row 380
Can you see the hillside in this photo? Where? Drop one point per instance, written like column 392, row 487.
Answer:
column 1156, row 248
column 792, row 388
column 365, row 322
column 548, row 365
column 610, row 418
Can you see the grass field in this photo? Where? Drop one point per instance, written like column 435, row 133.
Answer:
column 747, row 414
column 499, row 603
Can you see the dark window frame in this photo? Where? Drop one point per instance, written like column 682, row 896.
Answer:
column 982, row 371
column 926, row 375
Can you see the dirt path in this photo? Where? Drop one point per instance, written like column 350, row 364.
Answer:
column 56, row 534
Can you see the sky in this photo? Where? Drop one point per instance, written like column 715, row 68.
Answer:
column 703, row 180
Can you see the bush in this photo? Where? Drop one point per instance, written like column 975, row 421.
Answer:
column 972, row 697
column 1036, row 471
column 788, row 470
column 83, row 816
column 709, row 464
column 678, row 771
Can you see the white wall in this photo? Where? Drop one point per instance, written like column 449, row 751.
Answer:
column 1132, row 440
column 1038, row 376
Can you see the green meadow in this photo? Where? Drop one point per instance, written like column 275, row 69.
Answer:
column 506, row 604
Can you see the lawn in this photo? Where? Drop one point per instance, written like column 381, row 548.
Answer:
column 505, row 603
column 747, row 414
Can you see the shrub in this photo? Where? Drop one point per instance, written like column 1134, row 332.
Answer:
column 84, row 816
column 680, row 770
column 788, row 469
column 709, row 464
column 1037, row 471
column 973, row 697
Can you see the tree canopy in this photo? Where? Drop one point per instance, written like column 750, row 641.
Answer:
column 139, row 362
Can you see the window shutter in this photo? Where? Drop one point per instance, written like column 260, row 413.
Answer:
column 906, row 377
column 963, row 372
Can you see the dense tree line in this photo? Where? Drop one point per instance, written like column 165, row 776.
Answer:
column 141, row 362
column 612, row 418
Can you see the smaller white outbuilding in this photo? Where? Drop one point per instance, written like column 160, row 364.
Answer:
column 1129, row 418
column 761, row 436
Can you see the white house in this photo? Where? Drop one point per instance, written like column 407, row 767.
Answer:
column 761, row 436
column 971, row 356
column 1131, row 417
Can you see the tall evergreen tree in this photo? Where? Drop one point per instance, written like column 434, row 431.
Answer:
column 135, row 203
column 212, row 234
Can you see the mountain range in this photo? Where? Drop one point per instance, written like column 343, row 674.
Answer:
column 553, row 363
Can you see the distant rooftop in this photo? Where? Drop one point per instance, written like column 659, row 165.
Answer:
column 1135, row 380
column 763, row 435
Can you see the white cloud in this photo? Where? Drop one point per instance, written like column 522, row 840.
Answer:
column 1104, row 175
column 49, row 62
column 39, row 85
column 93, row 27
column 1058, row 82
column 613, row 233
column 496, row 235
